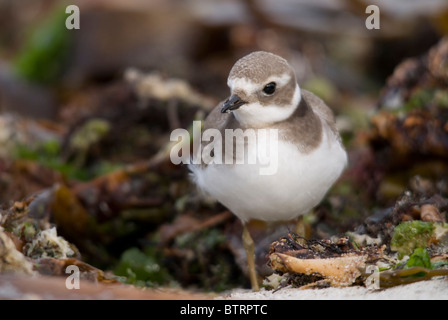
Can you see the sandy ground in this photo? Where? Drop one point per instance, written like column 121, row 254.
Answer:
column 436, row 289
column 44, row 288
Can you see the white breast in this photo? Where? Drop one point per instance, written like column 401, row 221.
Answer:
column 301, row 181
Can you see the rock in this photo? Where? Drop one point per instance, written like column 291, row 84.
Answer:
column 12, row 260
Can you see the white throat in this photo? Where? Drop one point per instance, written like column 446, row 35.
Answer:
column 255, row 115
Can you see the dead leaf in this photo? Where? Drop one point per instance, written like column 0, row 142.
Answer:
column 430, row 213
column 340, row 271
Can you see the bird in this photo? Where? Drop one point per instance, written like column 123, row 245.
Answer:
column 265, row 95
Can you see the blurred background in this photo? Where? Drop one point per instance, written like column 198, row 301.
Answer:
column 86, row 117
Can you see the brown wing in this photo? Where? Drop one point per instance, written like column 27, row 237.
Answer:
column 220, row 121
column 216, row 119
column 322, row 110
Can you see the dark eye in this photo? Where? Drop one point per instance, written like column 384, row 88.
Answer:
column 269, row 88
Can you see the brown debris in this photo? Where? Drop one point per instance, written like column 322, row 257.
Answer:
column 335, row 261
column 408, row 135
column 419, row 133
column 340, row 271
column 430, row 213
column 438, row 61
column 411, row 205
column 414, row 89
column 54, row 288
column 57, row 267
column 68, row 213
column 428, row 71
column 186, row 223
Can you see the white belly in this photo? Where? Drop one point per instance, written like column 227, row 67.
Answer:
column 300, row 183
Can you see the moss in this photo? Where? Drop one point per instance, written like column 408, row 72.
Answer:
column 29, row 231
column 420, row 258
column 90, row 133
column 419, row 99
column 441, row 98
column 204, row 262
column 411, row 235
column 44, row 54
column 141, row 269
column 423, row 97
column 48, row 154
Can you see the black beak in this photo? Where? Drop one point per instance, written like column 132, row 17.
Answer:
column 233, row 103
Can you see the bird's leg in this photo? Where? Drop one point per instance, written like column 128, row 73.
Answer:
column 301, row 227
column 249, row 246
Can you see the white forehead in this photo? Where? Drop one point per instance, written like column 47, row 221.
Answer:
column 249, row 86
